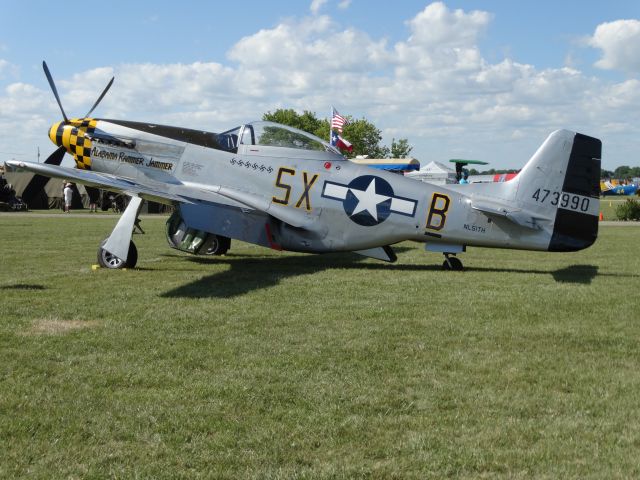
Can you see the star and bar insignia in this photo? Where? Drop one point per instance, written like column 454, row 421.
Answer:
column 369, row 200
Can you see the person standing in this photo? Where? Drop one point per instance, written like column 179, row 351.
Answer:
column 68, row 197
column 93, row 194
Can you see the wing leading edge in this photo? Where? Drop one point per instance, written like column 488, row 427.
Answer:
column 100, row 180
column 169, row 193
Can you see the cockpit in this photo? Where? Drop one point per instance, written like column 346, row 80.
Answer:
column 270, row 134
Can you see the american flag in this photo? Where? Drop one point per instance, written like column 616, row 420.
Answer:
column 337, row 120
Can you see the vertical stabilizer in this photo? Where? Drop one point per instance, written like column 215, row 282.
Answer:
column 562, row 182
column 575, row 229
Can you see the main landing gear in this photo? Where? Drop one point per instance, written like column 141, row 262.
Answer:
column 451, row 263
column 109, row 260
column 191, row 240
column 118, row 250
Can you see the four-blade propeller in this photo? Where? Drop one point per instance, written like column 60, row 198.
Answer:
column 38, row 182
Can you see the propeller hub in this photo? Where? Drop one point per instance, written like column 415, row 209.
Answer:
column 55, row 133
column 75, row 136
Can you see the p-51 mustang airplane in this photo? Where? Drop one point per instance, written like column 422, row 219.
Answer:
column 285, row 189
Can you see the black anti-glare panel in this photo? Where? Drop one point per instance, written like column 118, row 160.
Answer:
column 196, row 137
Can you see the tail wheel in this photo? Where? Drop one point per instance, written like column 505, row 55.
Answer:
column 452, row 263
column 219, row 246
column 108, row 260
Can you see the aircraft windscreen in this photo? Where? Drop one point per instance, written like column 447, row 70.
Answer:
column 229, row 140
column 275, row 135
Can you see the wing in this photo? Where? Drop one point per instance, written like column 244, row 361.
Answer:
column 100, row 180
column 170, row 193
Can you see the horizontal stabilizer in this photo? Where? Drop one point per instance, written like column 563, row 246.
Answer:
column 519, row 217
column 490, row 209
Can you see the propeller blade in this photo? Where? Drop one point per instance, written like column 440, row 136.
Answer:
column 104, row 92
column 56, row 157
column 55, row 90
column 38, row 182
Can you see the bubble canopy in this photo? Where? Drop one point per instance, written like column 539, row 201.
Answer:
column 270, row 134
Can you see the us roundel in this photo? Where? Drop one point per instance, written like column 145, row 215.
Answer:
column 369, row 200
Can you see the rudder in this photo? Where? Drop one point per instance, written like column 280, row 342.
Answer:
column 575, row 229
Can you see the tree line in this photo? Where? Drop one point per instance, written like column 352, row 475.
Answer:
column 366, row 140
column 621, row 172
column 365, row 137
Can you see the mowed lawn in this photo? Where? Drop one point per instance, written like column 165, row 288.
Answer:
column 608, row 205
column 262, row 364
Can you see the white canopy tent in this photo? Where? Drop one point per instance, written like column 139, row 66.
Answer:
column 434, row 172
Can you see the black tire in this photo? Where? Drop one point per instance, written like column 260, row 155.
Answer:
column 107, row 260
column 452, row 263
column 219, row 246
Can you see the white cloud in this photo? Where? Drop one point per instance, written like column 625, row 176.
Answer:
column 434, row 87
column 620, row 45
column 3, row 66
column 24, row 110
column 344, row 4
column 22, row 101
column 7, row 69
column 437, row 26
column 297, row 58
column 441, row 41
column 316, row 5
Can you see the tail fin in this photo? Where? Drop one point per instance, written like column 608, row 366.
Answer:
column 562, row 182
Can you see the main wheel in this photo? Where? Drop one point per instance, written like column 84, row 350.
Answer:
column 219, row 246
column 108, row 260
column 452, row 263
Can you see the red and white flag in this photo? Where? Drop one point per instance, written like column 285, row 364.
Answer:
column 337, row 120
column 344, row 144
column 338, row 141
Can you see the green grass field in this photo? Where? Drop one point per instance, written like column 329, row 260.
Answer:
column 273, row 365
column 608, row 205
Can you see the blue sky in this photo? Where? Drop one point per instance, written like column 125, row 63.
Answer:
column 486, row 79
column 171, row 32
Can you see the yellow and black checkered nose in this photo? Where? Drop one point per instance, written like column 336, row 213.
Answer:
column 55, row 133
column 72, row 135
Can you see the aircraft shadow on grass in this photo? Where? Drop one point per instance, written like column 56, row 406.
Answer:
column 576, row 274
column 572, row 274
column 23, row 286
column 248, row 274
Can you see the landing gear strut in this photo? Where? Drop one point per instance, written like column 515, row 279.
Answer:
column 451, row 263
column 118, row 250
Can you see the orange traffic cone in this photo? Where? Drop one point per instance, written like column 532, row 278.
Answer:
column 601, row 216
